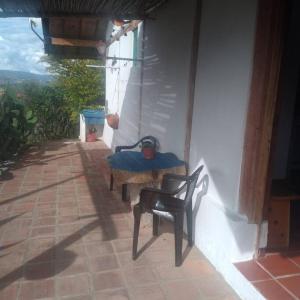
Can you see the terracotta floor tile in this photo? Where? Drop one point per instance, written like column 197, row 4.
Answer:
column 69, row 252
column 9, row 292
column 168, row 272
column 126, row 260
column 38, row 289
column 122, row 245
column 213, row 286
column 295, row 257
column 252, row 271
column 73, row 285
column 292, row 284
column 197, row 268
column 139, row 276
column 150, row 292
column 43, row 231
column 103, row 263
column 71, row 267
column 70, row 230
column 278, row 265
column 39, row 271
column 98, row 248
column 120, row 294
column 108, row 280
column 272, row 290
column 46, row 221
column 80, row 297
column 178, row 290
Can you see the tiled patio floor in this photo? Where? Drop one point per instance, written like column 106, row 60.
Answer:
column 276, row 275
column 64, row 235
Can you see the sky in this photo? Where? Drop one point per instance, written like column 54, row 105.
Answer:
column 20, row 48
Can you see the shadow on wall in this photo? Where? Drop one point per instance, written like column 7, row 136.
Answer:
column 165, row 82
column 156, row 112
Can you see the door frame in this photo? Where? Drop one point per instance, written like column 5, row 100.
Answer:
column 268, row 49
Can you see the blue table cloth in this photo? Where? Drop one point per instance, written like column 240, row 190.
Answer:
column 93, row 116
column 133, row 161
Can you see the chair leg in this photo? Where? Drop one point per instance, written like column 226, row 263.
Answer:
column 189, row 221
column 155, row 224
column 111, row 187
column 124, row 192
column 137, row 220
column 178, row 228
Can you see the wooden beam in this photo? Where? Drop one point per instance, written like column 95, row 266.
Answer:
column 100, row 45
column 192, row 79
column 125, row 29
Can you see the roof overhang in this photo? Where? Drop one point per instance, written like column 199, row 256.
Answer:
column 78, row 28
column 113, row 9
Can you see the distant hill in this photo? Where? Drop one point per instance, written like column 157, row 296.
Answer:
column 19, row 77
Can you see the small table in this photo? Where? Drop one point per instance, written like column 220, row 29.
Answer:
column 131, row 167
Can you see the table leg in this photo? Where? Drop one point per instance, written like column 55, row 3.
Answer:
column 124, row 192
column 111, row 182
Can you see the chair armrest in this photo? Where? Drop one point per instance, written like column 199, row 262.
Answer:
column 159, row 200
column 175, row 177
column 156, row 191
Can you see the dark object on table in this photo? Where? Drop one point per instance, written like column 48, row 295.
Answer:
column 159, row 202
column 146, row 139
column 148, row 149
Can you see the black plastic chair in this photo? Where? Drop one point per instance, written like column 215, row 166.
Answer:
column 164, row 200
column 143, row 140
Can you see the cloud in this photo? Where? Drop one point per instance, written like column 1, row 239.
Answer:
column 20, row 48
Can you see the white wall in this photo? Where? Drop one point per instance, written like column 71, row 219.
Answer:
column 122, row 92
column 220, row 108
column 166, row 68
column 167, row 62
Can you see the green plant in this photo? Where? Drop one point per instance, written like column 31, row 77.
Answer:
column 82, row 86
column 16, row 124
column 53, row 114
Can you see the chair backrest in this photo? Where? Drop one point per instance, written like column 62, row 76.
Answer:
column 191, row 185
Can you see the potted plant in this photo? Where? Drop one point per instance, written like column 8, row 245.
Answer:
column 113, row 120
column 148, row 150
column 91, row 136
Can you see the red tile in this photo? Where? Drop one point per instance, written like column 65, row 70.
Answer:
column 9, row 292
column 252, row 271
column 278, row 265
column 43, row 231
column 73, row 285
column 272, row 290
column 295, row 257
column 37, row 289
column 140, row 276
column 103, row 263
column 108, row 280
column 39, row 271
column 120, row 294
column 292, row 284
column 71, row 267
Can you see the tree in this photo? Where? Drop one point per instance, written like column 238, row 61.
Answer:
column 48, row 105
column 82, row 86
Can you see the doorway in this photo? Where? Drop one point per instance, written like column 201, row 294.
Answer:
column 283, row 198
